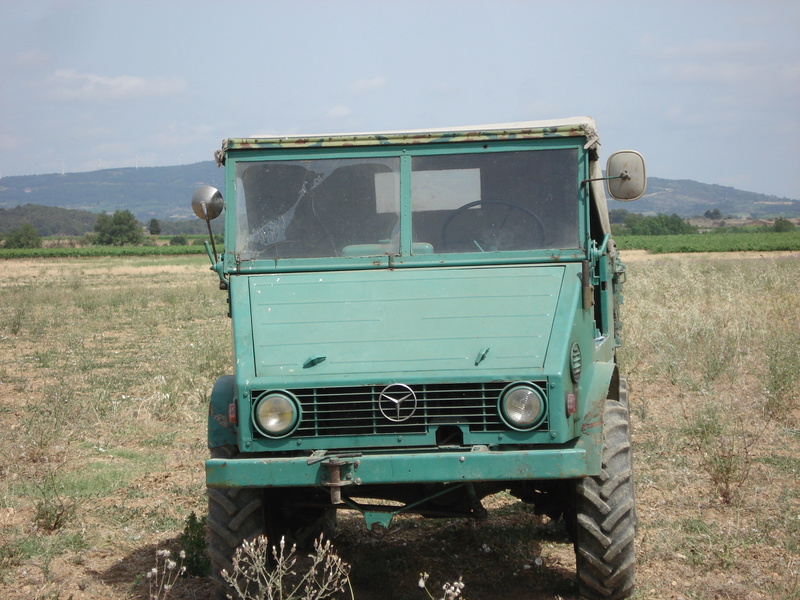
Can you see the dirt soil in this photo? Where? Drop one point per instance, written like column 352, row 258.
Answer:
column 510, row 556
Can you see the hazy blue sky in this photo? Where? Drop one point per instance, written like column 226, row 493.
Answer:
column 706, row 90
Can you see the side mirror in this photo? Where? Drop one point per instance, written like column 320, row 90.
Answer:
column 207, row 203
column 626, row 176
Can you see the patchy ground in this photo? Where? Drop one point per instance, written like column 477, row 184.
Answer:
column 105, row 366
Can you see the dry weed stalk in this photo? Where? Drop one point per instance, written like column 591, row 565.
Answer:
column 254, row 578
column 163, row 576
column 450, row 591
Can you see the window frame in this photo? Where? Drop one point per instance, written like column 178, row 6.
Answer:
column 406, row 257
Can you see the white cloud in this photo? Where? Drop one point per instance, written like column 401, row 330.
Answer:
column 32, row 59
column 7, row 142
column 339, row 111
column 715, row 73
column 176, row 135
column 367, row 85
column 68, row 84
column 706, row 48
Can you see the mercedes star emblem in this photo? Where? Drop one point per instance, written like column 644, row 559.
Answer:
column 397, row 402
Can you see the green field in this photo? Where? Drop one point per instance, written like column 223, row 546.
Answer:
column 98, row 251
column 657, row 244
column 709, row 242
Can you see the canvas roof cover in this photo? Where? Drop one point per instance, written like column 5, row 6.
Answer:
column 571, row 127
column 552, row 128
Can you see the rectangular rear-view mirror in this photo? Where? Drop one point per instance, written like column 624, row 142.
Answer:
column 626, row 176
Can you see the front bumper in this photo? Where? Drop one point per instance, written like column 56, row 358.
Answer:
column 478, row 464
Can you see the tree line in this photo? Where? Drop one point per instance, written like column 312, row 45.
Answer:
column 119, row 229
column 123, row 229
column 25, row 226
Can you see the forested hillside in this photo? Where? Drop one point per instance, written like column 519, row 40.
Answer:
column 689, row 198
column 47, row 220
column 154, row 192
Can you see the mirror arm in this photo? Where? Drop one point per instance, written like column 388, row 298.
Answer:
column 623, row 175
column 210, row 235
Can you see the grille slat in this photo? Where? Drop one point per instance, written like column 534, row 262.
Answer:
column 351, row 411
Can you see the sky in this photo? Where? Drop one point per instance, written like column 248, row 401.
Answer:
column 706, row 90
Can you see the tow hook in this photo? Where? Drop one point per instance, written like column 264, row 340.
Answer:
column 340, row 473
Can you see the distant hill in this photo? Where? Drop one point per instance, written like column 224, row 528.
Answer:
column 47, row 220
column 165, row 193
column 688, row 198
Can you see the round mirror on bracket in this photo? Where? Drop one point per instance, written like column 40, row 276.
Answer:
column 207, row 202
column 626, row 175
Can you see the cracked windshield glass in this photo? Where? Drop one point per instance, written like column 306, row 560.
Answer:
column 461, row 203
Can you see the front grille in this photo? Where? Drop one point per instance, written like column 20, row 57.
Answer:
column 348, row 411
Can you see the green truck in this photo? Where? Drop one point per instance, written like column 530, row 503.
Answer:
column 422, row 319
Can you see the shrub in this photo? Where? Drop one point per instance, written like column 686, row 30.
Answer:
column 119, row 229
column 193, row 544
column 24, row 237
column 783, row 225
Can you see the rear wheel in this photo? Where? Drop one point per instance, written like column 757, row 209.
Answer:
column 605, row 513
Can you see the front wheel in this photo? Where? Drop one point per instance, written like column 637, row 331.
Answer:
column 234, row 515
column 605, row 514
column 239, row 514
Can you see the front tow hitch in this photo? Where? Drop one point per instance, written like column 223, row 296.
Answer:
column 340, row 469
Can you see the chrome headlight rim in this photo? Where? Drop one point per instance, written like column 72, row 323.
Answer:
column 284, row 410
column 508, row 394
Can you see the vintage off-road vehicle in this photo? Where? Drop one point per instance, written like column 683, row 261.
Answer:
column 423, row 317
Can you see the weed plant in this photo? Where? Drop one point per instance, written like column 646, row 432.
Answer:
column 256, row 576
column 193, row 547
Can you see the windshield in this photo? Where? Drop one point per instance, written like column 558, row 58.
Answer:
column 460, row 203
column 315, row 208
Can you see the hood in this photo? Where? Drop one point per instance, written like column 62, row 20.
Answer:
column 362, row 327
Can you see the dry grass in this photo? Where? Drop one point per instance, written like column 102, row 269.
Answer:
column 106, row 365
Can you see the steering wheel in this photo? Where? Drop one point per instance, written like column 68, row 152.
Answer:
column 492, row 235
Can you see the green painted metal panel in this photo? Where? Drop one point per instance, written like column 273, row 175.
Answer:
column 374, row 326
column 220, row 430
column 568, row 461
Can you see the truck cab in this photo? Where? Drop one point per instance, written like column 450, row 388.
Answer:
column 425, row 318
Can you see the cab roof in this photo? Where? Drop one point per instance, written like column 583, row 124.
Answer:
column 571, row 127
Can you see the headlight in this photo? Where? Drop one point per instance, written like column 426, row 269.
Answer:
column 522, row 406
column 276, row 415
